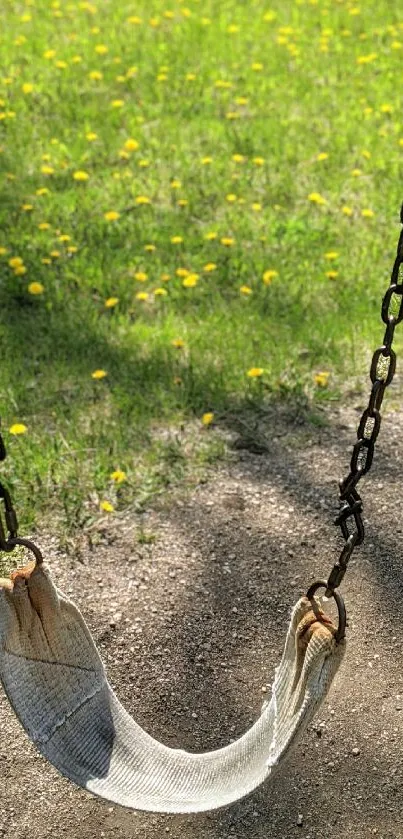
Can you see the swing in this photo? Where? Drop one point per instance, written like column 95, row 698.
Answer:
column 56, row 683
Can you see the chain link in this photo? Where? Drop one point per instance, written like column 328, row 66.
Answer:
column 382, row 370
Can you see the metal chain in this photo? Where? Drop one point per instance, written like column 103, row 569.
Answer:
column 382, row 370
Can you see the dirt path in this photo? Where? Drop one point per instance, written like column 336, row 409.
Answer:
column 191, row 627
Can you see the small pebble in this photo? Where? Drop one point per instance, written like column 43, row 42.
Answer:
column 300, row 820
column 355, row 751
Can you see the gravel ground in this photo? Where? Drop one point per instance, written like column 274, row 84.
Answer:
column 191, row 627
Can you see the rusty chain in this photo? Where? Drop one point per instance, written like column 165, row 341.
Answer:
column 382, row 370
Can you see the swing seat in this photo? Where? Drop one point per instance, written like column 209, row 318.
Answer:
column 56, row 683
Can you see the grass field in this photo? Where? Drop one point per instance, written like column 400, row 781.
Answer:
column 199, row 212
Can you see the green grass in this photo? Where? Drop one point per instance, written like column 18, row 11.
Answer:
column 280, row 88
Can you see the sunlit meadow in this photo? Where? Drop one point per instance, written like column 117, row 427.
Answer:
column 199, row 210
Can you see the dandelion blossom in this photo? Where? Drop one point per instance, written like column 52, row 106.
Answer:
column 190, row 281
column 99, row 374
column 178, row 343
column 106, row 506
column 210, row 266
column 131, row 145
column 36, row 288
column 111, row 215
column 245, row 289
column 316, row 198
column 207, row 418
column 321, row 379
column 80, row 175
column 366, row 213
column 176, row 240
column 255, row 372
column 18, row 428
column 331, row 255
column 111, row 302
column 269, row 275
column 118, row 476
column 142, row 199
column 142, row 295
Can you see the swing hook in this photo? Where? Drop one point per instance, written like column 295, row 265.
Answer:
column 341, row 629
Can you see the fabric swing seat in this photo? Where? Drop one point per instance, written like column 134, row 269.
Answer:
column 56, row 683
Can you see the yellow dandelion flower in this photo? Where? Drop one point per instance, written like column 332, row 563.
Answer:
column 118, row 476
column 176, row 184
column 316, row 198
column 55, row 254
column 321, row 379
column 64, row 237
column 131, row 145
column 238, row 158
column 205, row 161
column 367, row 154
column 46, row 261
column 160, row 292
column 347, row 211
column 101, row 49
column 142, row 295
column 176, row 240
column 150, row 248
column 255, row 372
column 142, row 199
column 106, row 506
column 20, row 270
column 80, row 175
column 233, row 28
column 245, row 289
column 256, row 206
column 43, row 190
column 111, row 215
column 210, row 266
column 117, row 103
column 232, row 115
column 27, row 208
column 227, row 241
column 61, row 65
column 367, row 213
column 356, row 173
column 76, row 59
column 190, row 281
column 143, row 163
column 141, row 276
column 36, row 288
column 269, row 275
column 111, row 302
column 47, row 170
column 165, row 278
column 331, row 275
column 231, row 198
column 323, row 155
column 44, row 225
column 95, row 75
column 15, row 261
column 367, row 59
column 331, row 255
column 72, row 249
column 182, row 272
column 49, row 54
column 134, row 20
column 386, row 109
column 3, row 251
column 91, row 136
column 257, row 66
column 207, row 418
column 99, row 374
column 178, row 343
column 27, row 87
column 182, row 202
column 258, row 161
column 18, row 428
column 210, row 235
